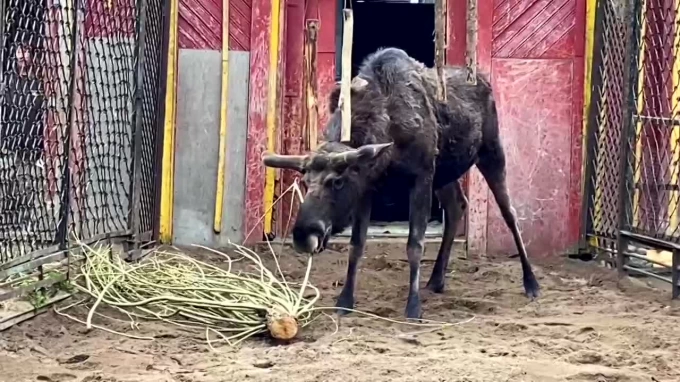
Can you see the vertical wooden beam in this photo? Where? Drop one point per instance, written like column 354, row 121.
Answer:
column 478, row 191
column 471, row 46
column 272, row 115
column 440, row 19
column 310, row 87
column 345, row 89
column 168, row 164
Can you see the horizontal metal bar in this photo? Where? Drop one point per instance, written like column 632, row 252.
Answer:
column 649, row 118
column 657, row 186
column 31, row 265
column 600, row 237
column 650, row 241
column 31, row 256
column 24, row 290
column 645, row 258
column 647, row 273
column 23, row 316
column 55, row 248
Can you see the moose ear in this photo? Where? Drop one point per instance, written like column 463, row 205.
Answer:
column 365, row 152
column 373, row 150
column 334, row 99
column 358, row 85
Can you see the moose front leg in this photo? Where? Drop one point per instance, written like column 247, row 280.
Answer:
column 362, row 217
column 420, row 203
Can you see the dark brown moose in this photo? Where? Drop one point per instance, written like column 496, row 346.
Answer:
column 400, row 129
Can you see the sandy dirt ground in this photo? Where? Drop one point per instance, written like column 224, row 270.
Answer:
column 585, row 327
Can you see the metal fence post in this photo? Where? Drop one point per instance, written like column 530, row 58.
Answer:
column 632, row 13
column 134, row 217
column 65, row 205
column 592, row 128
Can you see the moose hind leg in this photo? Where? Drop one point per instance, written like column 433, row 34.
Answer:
column 453, row 200
column 492, row 167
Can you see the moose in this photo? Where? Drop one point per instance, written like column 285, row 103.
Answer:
column 400, row 129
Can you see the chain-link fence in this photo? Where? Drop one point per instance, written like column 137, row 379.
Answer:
column 81, row 103
column 633, row 143
column 604, row 124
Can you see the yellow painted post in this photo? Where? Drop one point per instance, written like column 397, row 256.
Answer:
column 640, row 109
column 591, row 10
column 168, row 163
column 675, row 132
column 223, row 155
column 272, row 102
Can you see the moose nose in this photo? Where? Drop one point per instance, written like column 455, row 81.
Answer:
column 310, row 239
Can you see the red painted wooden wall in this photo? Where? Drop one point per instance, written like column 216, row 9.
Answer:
column 533, row 52
column 537, row 49
column 295, row 20
column 200, row 24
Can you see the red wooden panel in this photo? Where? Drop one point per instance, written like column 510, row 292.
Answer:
column 104, row 18
column 257, row 112
column 575, row 190
column 200, row 24
column 291, row 129
column 534, row 28
column 536, row 115
column 326, row 82
column 456, row 26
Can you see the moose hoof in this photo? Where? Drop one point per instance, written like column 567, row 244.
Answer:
column 531, row 287
column 344, row 305
column 436, row 286
column 413, row 310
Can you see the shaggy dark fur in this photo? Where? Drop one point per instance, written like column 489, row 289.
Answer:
column 400, row 129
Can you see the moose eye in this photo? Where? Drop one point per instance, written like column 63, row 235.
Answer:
column 338, row 183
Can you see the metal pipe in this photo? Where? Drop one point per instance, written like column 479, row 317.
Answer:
column 630, row 78
column 223, row 155
column 647, row 273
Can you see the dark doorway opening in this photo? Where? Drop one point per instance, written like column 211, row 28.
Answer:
column 408, row 26
column 393, row 23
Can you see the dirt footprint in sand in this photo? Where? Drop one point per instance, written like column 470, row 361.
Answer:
column 57, row 377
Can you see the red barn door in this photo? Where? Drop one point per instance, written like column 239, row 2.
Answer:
column 536, row 51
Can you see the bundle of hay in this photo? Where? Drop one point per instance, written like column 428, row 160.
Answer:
column 181, row 290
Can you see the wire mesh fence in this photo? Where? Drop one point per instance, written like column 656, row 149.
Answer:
column 80, row 109
column 633, row 160
column 652, row 152
column 605, row 121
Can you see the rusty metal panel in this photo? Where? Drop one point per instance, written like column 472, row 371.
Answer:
column 534, row 28
column 200, row 24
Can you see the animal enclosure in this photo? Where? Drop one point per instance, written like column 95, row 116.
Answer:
column 633, row 139
column 583, row 329
column 79, row 145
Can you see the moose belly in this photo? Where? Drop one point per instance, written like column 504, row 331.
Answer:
column 448, row 171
